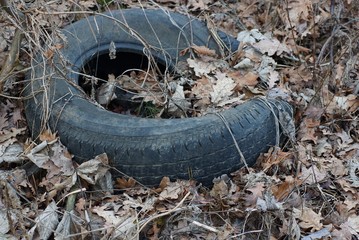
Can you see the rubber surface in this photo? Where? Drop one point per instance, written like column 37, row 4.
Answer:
column 146, row 149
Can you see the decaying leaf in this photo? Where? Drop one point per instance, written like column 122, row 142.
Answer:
column 198, row 5
column 268, row 203
column 6, row 134
column 123, row 225
column 172, row 191
column 274, row 156
column 308, row 218
column 249, row 79
column 123, row 183
column 46, row 222
column 94, row 169
column 321, row 234
column 106, row 92
column 11, row 153
column 298, row 15
column 4, row 221
column 178, row 104
column 88, row 3
column 313, row 174
column 267, row 72
column 265, row 43
column 68, row 223
column 348, row 103
column 57, row 161
column 353, row 224
column 222, row 89
column 353, row 172
column 271, row 47
column 201, row 68
column 256, row 192
column 249, row 36
column 220, row 189
column 48, row 136
column 202, row 50
column 282, row 190
column 202, row 90
column 307, row 129
column 323, row 147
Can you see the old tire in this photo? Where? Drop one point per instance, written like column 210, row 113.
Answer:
column 146, row 149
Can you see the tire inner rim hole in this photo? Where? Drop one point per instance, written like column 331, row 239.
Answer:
column 133, row 78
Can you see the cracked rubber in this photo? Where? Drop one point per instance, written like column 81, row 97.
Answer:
column 146, row 149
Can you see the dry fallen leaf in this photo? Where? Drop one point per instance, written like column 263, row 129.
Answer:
column 123, row 183
column 337, row 168
column 201, row 68
column 197, row 5
column 308, row 218
column 248, row 79
column 297, row 14
column 219, row 189
column 268, row 203
column 10, row 152
column 353, row 224
column 256, row 192
column 282, row 190
column 4, row 221
column 124, row 225
column 273, row 157
column 271, row 46
column 172, row 191
column 106, row 92
column 46, row 222
column 178, row 104
column 12, row 133
column 53, row 157
column 266, row 71
column 68, row 222
column 62, row 159
column 202, row 90
column 299, row 76
column 223, row 88
column 323, row 147
column 94, row 169
column 203, row 50
column 49, row 53
column 88, row 3
column 313, row 174
column 348, row 104
column 249, row 36
column 307, row 129
column 48, row 136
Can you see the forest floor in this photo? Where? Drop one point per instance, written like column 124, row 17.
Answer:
column 308, row 189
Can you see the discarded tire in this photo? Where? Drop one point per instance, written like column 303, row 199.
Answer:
column 146, row 149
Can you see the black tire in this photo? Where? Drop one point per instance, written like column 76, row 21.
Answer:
column 146, row 149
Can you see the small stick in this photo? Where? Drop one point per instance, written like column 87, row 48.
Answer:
column 11, row 58
column 15, row 46
column 212, row 229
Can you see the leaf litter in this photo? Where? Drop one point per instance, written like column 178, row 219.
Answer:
column 307, row 190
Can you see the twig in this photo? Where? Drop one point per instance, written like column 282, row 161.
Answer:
column 11, row 58
column 165, row 213
column 209, row 228
column 244, row 233
column 15, row 46
column 6, row 7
